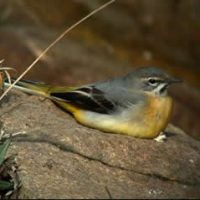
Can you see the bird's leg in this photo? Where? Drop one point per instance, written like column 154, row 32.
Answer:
column 161, row 137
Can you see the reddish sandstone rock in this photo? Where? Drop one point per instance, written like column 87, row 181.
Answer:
column 60, row 158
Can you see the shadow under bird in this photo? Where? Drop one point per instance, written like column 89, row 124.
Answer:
column 136, row 104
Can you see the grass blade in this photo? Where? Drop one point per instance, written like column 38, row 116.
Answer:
column 5, row 185
column 3, row 149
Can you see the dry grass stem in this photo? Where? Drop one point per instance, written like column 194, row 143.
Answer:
column 54, row 42
column 5, row 71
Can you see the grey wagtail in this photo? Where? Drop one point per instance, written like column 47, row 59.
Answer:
column 136, row 104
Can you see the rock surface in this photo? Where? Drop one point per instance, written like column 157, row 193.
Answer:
column 60, row 158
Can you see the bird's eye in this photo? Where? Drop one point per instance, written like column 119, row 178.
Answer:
column 152, row 82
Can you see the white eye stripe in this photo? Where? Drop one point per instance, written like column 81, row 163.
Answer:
column 160, row 87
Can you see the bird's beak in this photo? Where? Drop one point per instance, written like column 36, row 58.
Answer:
column 174, row 80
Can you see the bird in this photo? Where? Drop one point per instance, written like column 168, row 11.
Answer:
column 136, row 104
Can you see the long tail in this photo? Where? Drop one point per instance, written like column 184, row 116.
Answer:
column 30, row 87
column 41, row 89
column 60, row 95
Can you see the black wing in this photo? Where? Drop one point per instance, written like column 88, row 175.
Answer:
column 88, row 98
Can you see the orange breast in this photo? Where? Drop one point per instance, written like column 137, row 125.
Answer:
column 157, row 114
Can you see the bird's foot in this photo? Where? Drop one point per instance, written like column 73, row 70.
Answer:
column 161, row 137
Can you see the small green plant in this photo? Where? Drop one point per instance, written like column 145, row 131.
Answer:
column 9, row 180
column 5, row 184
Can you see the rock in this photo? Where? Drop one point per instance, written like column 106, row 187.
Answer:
column 125, row 35
column 60, row 158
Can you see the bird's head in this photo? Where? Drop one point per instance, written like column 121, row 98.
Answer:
column 152, row 80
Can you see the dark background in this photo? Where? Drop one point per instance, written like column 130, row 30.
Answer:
column 125, row 35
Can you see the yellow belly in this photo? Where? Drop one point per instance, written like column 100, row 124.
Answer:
column 153, row 118
column 157, row 115
column 146, row 122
